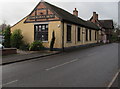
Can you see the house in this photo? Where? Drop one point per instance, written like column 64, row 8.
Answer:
column 69, row 30
column 106, row 28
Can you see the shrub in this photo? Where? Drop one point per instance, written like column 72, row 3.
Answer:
column 7, row 35
column 24, row 46
column 16, row 38
column 114, row 38
column 36, row 46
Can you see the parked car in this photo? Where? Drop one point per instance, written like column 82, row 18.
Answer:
column 1, row 46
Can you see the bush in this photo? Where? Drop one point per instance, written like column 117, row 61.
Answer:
column 24, row 46
column 114, row 38
column 7, row 35
column 36, row 46
column 16, row 38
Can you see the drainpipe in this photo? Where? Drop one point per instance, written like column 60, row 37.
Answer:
column 63, row 37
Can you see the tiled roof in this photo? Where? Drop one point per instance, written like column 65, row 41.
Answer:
column 107, row 24
column 66, row 16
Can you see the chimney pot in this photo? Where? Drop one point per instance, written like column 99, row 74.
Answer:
column 97, row 16
column 75, row 12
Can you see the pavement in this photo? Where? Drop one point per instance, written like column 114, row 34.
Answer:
column 91, row 67
column 25, row 56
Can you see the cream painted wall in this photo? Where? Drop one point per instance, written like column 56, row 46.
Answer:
column 57, row 27
column 74, row 41
column 92, row 37
column 27, row 30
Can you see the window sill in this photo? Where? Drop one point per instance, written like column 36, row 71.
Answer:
column 78, row 41
column 69, row 42
column 45, row 41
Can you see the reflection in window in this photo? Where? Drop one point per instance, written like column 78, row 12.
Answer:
column 42, row 33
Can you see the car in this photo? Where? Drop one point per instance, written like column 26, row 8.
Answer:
column 1, row 46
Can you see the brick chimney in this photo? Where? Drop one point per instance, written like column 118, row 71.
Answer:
column 94, row 17
column 75, row 12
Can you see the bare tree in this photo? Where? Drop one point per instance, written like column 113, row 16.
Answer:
column 3, row 25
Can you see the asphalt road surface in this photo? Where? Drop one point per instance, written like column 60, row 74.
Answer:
column 91, row 67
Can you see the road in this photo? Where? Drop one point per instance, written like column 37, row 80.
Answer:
column 91, row 67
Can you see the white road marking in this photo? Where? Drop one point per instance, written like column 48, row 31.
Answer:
column 61, row 64
column 9, row 83
column 114, row 78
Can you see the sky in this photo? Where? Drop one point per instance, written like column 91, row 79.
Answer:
column 12, row 11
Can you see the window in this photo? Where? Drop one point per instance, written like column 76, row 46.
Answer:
column 68, row 32
column 95, row 35
column 78, row 32
column 90, row 35
column 86, row 34
column 41, row 32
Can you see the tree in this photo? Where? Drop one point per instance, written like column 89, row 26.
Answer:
column 16, row 38
column 52, row 41
column 116, row 33
column 3, row 26
column 7, row 34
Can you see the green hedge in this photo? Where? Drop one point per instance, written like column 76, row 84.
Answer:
column 36, row 46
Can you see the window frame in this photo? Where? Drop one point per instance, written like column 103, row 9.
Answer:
column 90, row 35
column 79, row 34
column 69, row 33
column 86, row 34
column 41, row 33
column 95, row 35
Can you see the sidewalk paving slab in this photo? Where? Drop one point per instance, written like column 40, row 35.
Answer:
column 8, row 59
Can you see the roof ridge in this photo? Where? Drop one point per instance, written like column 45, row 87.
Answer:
column 67, row 16
column 64, row 10
column 106, row 20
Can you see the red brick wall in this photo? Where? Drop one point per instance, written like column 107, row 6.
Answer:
column 8, row 51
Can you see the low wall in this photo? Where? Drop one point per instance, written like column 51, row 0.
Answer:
column 8, row 51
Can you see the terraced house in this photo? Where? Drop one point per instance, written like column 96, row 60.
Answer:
column 69, row 30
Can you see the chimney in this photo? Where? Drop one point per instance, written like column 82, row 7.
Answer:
column 75, row 12
column 96, row 16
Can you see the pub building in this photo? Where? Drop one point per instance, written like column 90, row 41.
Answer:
column 69, row 30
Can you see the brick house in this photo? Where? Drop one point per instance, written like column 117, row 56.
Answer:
column 69, row 29
column 106, row 28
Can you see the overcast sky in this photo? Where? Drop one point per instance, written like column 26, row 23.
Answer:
column 11, row 11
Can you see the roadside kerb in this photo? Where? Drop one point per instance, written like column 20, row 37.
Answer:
column 30, row 58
